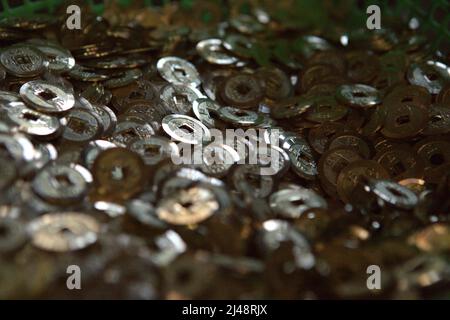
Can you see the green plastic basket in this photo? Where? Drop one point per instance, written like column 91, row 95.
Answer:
column 434, row 16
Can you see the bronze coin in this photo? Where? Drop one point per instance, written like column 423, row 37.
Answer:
column 329, row 57
column 326, row 108
column 319, row 136
column 404, row 120
column 438, row 120
column 330, row 165
column 362, row 67
column 444, row 96
column 275, row 82
column 349, row 177
column 118, row 173
column 315, row 74
column 401, row 162
column 407, row 94
column 242, row 90
column 291, row 107
column 351, row 140
column 435, row 153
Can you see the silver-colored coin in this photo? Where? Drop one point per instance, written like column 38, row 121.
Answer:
column 59, row 59
column 178, row 71
column 212, row 50
column 293, row 202
column 84, row 74
column 155, row 149
column 61, row 232
column 275, row 231
column 218, row 159
column 131, row 127
column 185, row 129
column 145, row 212
column 394, row 194
column 31, row 121
column 43, row 155
column 431, row 75
column 302, row 160
column 23, row 61
column 60, row 184
column 9, row 96
column 274, row 161
column 203, row 108
column 18, row 146
column 108, row 118
column 358, row 95
column 179, row 98
column 123, row 78
column 46, row 97
column 82, row 125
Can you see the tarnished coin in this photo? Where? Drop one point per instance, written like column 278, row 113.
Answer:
column 178, row 71
column 62, row 232
column 275, row 82
column 438, row 120
column 358, row 95
column 351, row 140
column 61, row 184
column 320, row 136
column 240, row 117
column 23, row 61
column 352, row 175
column 435, row 154
column 118, row 173
column 401, row 162
column 404, row 121
column 291, row 107
column 46, row 97
column 185, row 129
column 242, row 90
column 122, row 79
column 325, row 109
column 330, row 165
column 293, row 202
column 188, row 207
column 250, row 180
column 155, row 149
column 93, row 149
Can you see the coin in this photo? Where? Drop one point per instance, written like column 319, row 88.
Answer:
column 118, row 173
column 351, row 175
column 62, row 232
column 46, row 97
column 23, row 61
column 178, row 71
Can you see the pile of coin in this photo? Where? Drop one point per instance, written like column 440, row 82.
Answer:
column 94, row 125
